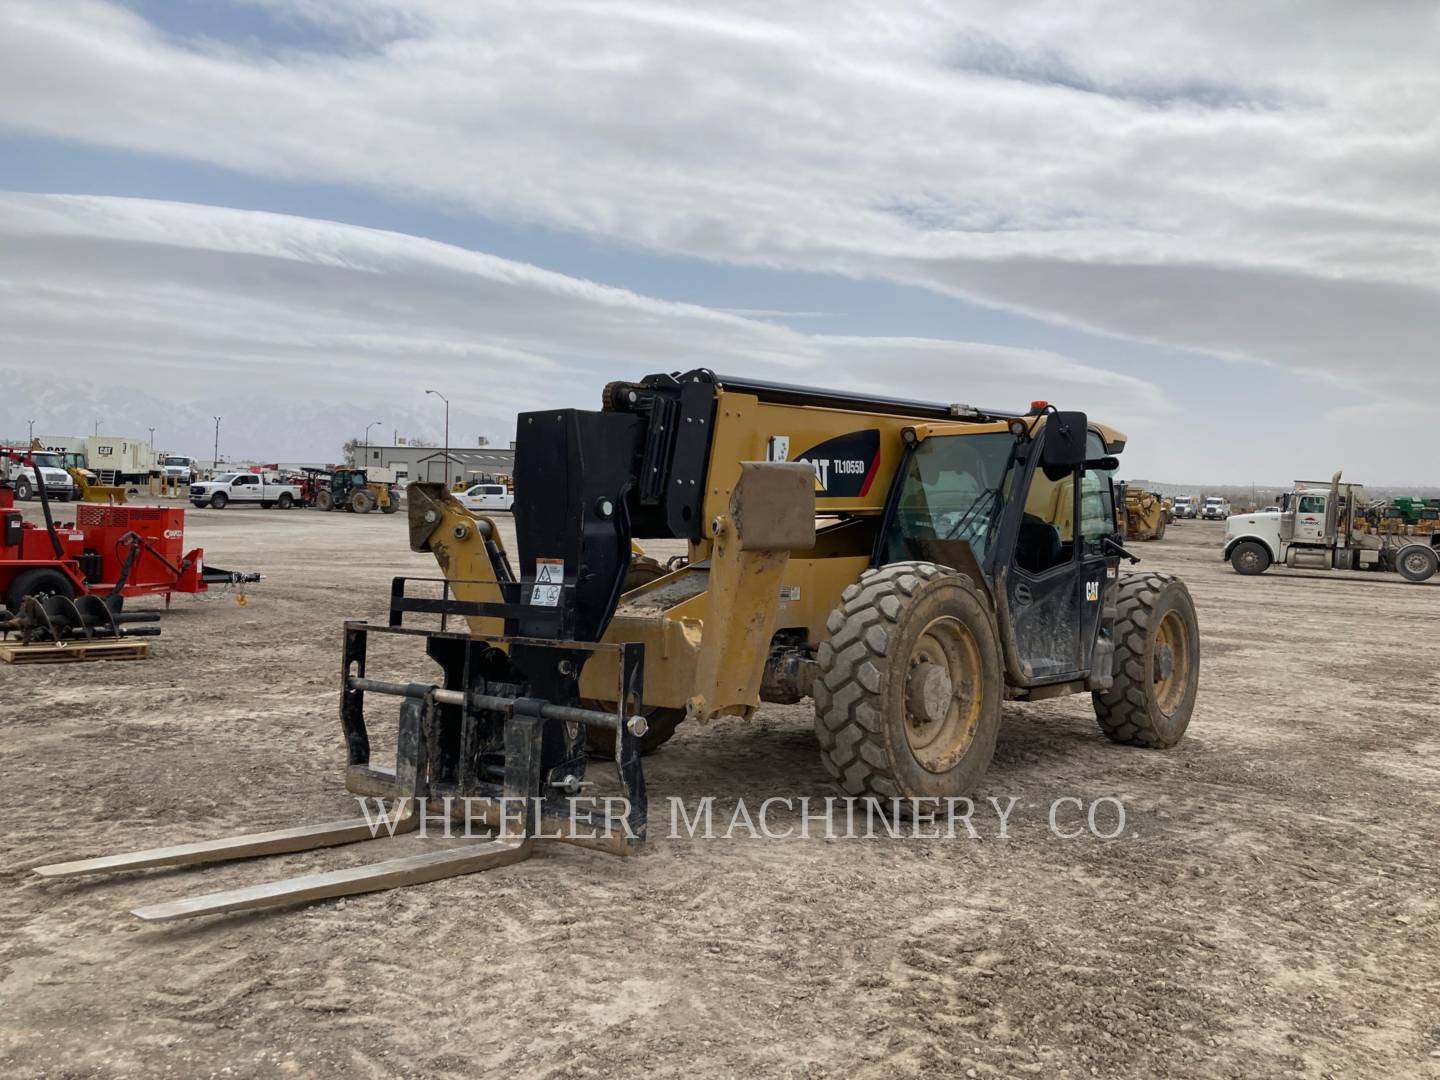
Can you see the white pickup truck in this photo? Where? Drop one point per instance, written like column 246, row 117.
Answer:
column 245, row 487
column 487, row 497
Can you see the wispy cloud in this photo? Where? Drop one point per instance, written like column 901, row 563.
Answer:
column 193, row 302
column 1162, row 168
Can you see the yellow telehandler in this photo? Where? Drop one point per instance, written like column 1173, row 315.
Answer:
column 908, row 565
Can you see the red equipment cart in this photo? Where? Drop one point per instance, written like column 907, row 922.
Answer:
column 140, row 548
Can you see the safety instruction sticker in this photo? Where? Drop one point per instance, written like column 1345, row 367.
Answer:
column 549, row 577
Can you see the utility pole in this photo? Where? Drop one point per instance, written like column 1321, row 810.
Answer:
column 97, row 427
column 443, row 398
column 32, row 429
column 365, row 456
column 217, row 443
column 152, row 440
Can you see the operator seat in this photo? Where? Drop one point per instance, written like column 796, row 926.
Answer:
column 1037, row 545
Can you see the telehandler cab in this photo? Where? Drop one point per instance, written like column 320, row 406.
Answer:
column 908, row 565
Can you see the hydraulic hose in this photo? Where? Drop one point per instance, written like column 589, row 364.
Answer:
column 45, row 506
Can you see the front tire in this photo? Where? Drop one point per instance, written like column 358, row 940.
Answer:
column 1250, row 557
column 324, row 500
column 1157, row 663
column 907, row 702
column 23, row 491
column 362, row 502
column 219, row 500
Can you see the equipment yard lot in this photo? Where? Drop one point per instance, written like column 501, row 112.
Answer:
column 1270, row 910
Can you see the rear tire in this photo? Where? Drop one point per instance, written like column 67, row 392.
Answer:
column 1160, row 532
column 38, row 582
column 1416, row 562
column 324, row 500
column 907, row 702
column 285, row 501
column 1250, row 557
column 218, row 500
column 1157, row 663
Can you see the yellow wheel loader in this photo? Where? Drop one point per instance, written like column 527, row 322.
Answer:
column 910, row 566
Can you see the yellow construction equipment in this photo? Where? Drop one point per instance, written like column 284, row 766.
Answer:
column 89, row 489
column 1145, row 517
column 908, row 565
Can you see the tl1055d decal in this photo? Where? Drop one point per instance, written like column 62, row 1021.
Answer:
column 845, row 466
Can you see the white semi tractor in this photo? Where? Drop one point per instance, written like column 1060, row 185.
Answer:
column 1322, row 526
column 1215, row 508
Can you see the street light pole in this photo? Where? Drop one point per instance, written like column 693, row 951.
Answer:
column 32, row 429
column 365, row 456
column 152, row 440
column 443, row 398
column 217, row 444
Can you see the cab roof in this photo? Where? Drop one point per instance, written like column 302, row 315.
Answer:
column 1114, row 438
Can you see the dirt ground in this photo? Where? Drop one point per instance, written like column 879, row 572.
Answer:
column 1269, row 910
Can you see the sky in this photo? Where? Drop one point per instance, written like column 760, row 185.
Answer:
column 1216, row 227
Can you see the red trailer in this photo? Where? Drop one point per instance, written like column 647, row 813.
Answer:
column 140, row 549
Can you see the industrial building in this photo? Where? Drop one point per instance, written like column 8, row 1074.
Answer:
column 429, row 462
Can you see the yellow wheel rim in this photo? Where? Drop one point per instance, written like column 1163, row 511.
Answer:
column 943, row 694
column 1170, row 663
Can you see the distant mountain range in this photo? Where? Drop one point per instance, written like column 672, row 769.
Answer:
column 254, row 426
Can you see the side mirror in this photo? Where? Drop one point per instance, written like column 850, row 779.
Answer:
column 1065, row 438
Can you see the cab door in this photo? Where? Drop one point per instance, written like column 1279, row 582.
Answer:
column 1098, row 566
column 1043, row 583
column 1060, row 568
column 1310, row 519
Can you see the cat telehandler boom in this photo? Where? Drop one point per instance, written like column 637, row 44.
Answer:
column 910, row 566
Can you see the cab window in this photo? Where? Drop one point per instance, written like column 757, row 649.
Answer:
column 953, row 492
column 1312, row 504
column 1046, row 538
column 1097, row 499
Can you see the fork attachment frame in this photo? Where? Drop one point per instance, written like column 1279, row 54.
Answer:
column 500, row 740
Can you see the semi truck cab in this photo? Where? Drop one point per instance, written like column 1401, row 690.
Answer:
column 58, row 483
column 1215, row 509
